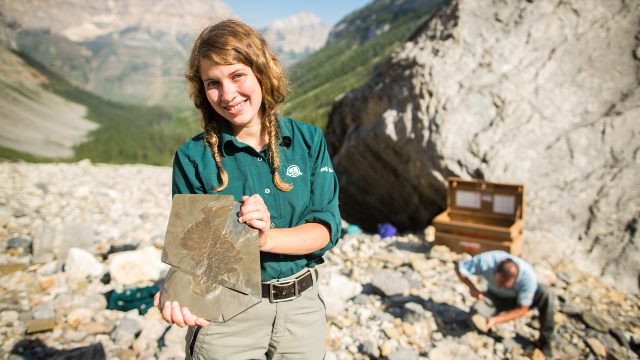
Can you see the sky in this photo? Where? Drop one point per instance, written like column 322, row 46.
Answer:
column 259, row 13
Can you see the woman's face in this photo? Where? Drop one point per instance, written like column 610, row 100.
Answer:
column 234, row 92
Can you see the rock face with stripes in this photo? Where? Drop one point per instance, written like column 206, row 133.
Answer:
column 540, row 92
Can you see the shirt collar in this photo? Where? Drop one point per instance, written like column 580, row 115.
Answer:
column 227, row 135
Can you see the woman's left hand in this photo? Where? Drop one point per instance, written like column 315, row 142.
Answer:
column 254, row 213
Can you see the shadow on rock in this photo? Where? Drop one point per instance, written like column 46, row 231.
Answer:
column 35, row 349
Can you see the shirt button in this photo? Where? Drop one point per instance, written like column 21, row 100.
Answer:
column 259, row 159
column 281, row 255
column 273, row 225
column 266, row 191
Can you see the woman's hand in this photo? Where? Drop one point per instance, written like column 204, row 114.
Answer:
column 172, row 314
column 254, row 213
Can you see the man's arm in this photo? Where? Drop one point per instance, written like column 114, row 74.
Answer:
column 519, row 311
column 473, row 290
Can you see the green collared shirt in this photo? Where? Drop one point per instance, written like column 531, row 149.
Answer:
column 304, row 161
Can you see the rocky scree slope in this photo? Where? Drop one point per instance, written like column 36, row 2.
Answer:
column 539, row 92
column 392, row 298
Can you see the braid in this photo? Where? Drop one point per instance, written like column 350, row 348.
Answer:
column 273, row 154
column 212, row 136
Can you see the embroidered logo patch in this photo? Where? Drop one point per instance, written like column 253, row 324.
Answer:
column 326, row 168
column 293, row 171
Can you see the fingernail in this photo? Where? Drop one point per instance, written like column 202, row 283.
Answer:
column 174, row 304
column 240, row 219
column 167, row 304
column 184, row 311
column 198, row 323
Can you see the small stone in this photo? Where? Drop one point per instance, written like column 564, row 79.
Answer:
column 91, row 301
column 402, row 354
column 397, row 322
column 597, row 347
column 422, row 265
column 44, row 311
column 430, row 233
column 74, row 336
column 413, row 312
column 47, row 284
column 545, row 275
column 451, row 350
column 40, row 325
column 19, row 243
column 408, row 329
column 131, row 267
column 50, row 268
column 81, row 264
column 369, row 348
column 385, row 349
column 538, row 355
column 480, row 322
column 361, row 299
column 79, row 316
column 392, row 333
column 5, row 215
column 342, row 287
column 95, row 328
column 382, row 316
column 11, row 268
column 387, row 283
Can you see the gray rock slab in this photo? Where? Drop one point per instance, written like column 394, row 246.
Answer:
column 58, row 239
column 14, row 300
column 44, row 311
column 413, row 312
column 371, row 349
column 403, row 354
column 565, row 276
column 50, row 268
column 597, row 321
column 571, row 309
column 387, row 283
column 451, row 350
column 19, row 242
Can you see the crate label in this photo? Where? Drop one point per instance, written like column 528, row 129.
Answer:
column 487, row 198
column 504, row 204
column 468, row 199
column 470, row 245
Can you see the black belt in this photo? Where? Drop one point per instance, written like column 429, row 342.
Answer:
column 285, row 290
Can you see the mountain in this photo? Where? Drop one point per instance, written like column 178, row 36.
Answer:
column 541, row 92
column 357, row 45
column 125, row 50
column 297, row 36
column 33, row 120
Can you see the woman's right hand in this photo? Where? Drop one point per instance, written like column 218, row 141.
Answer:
column 173, row 314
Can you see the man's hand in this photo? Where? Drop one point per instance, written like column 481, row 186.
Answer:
column 490, row 322
column 476, row 293
column 173, row 314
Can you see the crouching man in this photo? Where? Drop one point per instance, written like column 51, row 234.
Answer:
column 513, row 290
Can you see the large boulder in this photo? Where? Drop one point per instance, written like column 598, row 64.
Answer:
column 541, row 92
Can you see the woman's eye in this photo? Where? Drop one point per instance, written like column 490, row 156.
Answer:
column 238, row 76
column 213, row 83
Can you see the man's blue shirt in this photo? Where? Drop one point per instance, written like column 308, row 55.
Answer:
column 485, row 264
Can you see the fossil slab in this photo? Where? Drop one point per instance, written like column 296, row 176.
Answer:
column 215, row 260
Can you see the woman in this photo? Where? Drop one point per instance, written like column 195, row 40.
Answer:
column 281, row 171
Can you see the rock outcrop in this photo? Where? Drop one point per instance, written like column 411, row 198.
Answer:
column 541, row 92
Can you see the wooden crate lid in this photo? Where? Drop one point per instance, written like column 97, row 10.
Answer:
column 479, row 197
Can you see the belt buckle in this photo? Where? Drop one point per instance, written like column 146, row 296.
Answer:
column 295, row 296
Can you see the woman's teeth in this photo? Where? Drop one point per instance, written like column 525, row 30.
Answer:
column 236, row 107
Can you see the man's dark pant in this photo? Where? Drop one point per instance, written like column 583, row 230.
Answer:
column 544, row 300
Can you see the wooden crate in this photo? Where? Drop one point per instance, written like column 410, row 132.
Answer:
column 481, row 216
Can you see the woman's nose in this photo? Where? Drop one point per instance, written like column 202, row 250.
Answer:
column 228, row 92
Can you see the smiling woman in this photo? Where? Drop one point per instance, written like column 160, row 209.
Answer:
column 246, row 150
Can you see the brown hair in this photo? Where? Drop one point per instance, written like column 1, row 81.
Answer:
column 233, row 42
column 508, row 269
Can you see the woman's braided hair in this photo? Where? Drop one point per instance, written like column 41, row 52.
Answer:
column 227, row 43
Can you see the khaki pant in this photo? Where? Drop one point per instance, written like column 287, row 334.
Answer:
column 285, row 330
